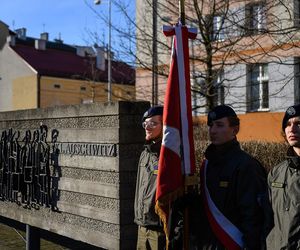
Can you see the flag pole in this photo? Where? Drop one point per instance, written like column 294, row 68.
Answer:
column 189, row 181
column 186, row 212
column 181, row 12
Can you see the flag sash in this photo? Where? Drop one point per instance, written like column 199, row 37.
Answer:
column 226, row 232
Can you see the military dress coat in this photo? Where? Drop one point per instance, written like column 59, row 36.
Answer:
column 144, row 204
column 237, row 184
column 284, row 188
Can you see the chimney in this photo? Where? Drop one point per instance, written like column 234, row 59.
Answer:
column 80, row 51
column 112, row 54
column 85, row 51
column 100, row 58
column 21, row 33
column 11, row 40
column 40, row 44
column 45, row 36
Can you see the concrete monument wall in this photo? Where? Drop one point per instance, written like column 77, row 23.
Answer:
column 98, row 147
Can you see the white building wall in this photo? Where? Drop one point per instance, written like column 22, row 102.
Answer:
column 235, row 87
column 12, row 67
column 281, row 85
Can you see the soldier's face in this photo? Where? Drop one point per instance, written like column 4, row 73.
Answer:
column 221, row 132
column 153, row 127
column 292, row 132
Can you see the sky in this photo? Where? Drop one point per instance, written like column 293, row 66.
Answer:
column 70, row 20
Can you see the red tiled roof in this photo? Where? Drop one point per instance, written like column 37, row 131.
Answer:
column 67, row 64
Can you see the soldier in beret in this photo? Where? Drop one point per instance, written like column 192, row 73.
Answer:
column 150, row 230
column 284, row 187
column 233, row 189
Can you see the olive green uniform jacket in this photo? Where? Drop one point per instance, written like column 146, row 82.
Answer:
column 284, row 188
column 144, row 204
column 238, row 185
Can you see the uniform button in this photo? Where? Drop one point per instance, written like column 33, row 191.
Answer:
column 286, row 209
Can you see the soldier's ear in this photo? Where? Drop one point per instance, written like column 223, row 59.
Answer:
column 236, row 129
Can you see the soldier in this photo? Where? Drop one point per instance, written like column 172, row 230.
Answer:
column 233, row 187
column 233, row 210
column 150, row 230
column 284, row 188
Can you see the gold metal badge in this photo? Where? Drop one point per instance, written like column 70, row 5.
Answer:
column 277, row 184
column 224, row 184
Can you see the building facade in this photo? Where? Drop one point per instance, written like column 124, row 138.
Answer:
column 37, row 73
column 246, row 55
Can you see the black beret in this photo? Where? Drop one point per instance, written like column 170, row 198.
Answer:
column 291, row 112
column 155, row 110
column 219, row 112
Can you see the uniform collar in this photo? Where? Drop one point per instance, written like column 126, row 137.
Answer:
column 220, row 150
column 293, row 158
column 153, row 146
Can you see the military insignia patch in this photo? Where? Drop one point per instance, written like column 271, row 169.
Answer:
column 212, row 115
column 291, row 111
column 155, row 169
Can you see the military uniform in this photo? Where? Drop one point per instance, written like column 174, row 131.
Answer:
column 150, row 229
column 284, row 188
column 237, row 184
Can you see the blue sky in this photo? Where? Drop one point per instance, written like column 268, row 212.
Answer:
column 69, row 19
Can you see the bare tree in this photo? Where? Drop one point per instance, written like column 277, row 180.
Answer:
column 245, row 53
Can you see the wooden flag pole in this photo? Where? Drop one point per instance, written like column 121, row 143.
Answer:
column 181, row 12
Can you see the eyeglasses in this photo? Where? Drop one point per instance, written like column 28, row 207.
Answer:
column 149, row 124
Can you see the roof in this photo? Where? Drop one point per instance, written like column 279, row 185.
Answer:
column 61, row 60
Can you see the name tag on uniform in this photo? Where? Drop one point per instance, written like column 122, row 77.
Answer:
column 277, row 185
column 224, row 184
column 155, row 170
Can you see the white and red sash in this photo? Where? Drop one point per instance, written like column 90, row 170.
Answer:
column 227, row 233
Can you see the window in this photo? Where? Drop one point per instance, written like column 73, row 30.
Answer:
column 219, row 89
column 258, row 87
column 297, row 13
column 256, row 18
column 56, row 86
column 297, row 81
column 218, row 28
column 82, row 88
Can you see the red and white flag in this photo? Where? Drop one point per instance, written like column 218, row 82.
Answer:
column 177, row 156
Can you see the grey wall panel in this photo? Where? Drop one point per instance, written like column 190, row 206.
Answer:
column 98, row 147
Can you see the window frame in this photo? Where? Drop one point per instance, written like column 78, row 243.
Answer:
column 296, row 13
column 297, row 80
column 256, row 20
column 218, row 29
column 262, row 81
column 219, row 99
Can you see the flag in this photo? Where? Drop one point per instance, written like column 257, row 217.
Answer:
column 177, row 156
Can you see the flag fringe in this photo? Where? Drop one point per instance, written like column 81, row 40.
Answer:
column 165, row 203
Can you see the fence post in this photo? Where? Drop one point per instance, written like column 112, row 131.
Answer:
column 32, row 238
